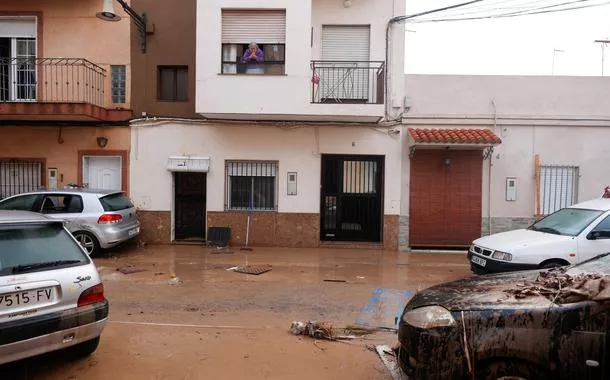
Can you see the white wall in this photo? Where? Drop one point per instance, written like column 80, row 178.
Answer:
column 289, row 94
column 565, row 120
column 295, row 149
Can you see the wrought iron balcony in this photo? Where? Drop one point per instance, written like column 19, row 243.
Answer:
column 51, row 80
column 348, row 82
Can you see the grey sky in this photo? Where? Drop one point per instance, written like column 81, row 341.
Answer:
column 519, row 45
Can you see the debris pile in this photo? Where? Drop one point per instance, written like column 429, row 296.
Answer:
column 561, row 287
column 324, row 330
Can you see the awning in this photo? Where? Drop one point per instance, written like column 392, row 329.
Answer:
column 474, row 137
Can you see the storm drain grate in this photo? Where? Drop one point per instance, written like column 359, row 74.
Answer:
column 250, row 269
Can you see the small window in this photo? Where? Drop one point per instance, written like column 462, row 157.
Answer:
column 173, row 83
column 263, row 59
column 251, row 185
column 62, row 204
column 118, row 83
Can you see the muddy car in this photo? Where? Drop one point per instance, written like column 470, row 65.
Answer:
column 537, row 324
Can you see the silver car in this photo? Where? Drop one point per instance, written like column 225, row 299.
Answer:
column 51, row 295
column 98, row 219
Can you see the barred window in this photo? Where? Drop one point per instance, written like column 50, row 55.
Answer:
column 559, row 187
column 251, row 185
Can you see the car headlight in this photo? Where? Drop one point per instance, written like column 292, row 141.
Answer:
column 429, row 317
column 499, row 255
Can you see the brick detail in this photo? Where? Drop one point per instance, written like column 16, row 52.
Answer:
column 503, row 224
column 403, row 233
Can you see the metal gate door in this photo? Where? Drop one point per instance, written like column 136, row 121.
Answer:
column 190, row 204
column 18, row 177
column 351, row 198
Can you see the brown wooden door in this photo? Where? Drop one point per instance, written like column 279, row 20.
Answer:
column 445, row 200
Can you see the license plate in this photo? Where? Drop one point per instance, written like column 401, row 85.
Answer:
column 478, row 260
column 10, row 301
column 134, row 231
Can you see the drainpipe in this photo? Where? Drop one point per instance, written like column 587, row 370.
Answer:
column 396, row 20
column 493, row 103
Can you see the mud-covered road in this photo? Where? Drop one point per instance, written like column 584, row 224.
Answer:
column 223, row 325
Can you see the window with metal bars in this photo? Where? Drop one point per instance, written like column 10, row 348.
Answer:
column 251, row 185
column 558, row 187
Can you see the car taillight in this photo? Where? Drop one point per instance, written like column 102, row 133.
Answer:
column 92, row 295
column 109, row 218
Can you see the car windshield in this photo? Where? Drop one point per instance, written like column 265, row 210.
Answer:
column 567, row 221
column 36, row 247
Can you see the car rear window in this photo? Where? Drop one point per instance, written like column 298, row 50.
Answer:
column 34, row 244
column 116, row 202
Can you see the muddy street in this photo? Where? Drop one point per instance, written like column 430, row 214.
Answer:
column 218, row 324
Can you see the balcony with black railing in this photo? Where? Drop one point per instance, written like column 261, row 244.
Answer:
column 348, row 82
column 55, row 88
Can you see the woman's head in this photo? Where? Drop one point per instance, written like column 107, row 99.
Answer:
column 253, row 46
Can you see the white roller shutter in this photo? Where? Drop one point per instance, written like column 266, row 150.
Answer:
column 17, row 27
column 346, row 42
column 260, row 26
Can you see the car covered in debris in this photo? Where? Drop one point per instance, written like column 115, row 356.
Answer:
column 568, row 236
column 99, row 219
column 540, row 324
column 51, row 295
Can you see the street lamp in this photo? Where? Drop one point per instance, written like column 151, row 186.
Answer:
column 107, row 14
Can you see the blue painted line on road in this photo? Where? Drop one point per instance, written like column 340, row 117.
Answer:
column 384, row 308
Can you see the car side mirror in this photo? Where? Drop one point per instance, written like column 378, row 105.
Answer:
column 599, row 234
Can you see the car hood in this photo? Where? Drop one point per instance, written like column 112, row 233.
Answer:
column 480, row 293
column 520, row 239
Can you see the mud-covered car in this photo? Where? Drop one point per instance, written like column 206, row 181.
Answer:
column 540, row 324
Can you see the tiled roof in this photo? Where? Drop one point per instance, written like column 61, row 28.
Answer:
column 454, row 136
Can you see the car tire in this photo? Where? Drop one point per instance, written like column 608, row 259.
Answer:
column 88, row 242
column 510, row 370
column 550, row 264
column 84, row 349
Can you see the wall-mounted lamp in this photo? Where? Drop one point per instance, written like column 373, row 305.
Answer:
column 447, row 161
column 347, row 3
column 102, row 141
column 108, row 14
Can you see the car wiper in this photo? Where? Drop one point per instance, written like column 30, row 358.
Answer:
column 533, row 228
column 549, row 230
column 47, row 264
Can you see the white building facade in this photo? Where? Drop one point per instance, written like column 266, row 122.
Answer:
column 550, row 149
column 291, row 148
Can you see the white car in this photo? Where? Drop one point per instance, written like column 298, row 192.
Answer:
column 568, row 236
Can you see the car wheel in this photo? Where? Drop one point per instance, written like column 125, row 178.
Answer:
column 553, row 264
column 510, row 370
column 84, row 349
column 88, row 242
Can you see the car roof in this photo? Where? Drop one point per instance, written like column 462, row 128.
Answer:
column 97, row 192
column 601, row 204
column 10, row 216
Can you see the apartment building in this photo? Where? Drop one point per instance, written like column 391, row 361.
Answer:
column 64, row 96
column 274, row 111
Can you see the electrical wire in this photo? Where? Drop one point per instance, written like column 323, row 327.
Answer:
column 533, row 11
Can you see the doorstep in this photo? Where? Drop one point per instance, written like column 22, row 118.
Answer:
column 351, row 245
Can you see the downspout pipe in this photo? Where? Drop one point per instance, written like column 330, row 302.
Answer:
column 391, row 23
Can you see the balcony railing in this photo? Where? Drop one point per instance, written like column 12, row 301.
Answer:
column 348, row 82
column 53, row 80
